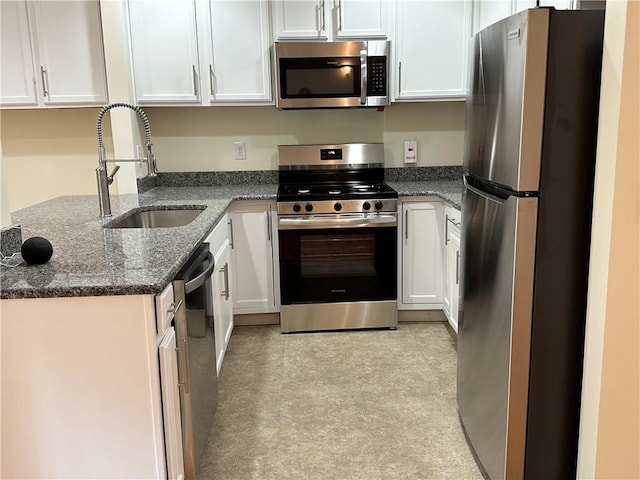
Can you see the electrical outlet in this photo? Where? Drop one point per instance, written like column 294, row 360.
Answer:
column 410, row 151
column 239, row 150
column 139, row 152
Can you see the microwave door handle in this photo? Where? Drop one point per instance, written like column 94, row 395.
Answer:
column 363, row 77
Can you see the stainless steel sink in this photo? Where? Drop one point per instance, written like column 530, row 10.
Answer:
column 154, row 217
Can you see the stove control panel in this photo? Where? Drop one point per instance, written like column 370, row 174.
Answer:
column 333, row 207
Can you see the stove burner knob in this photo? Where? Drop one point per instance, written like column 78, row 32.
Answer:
column 378, row 205
column 337, row 207
column 308, row 207
column 297, row 208
column 366, row 206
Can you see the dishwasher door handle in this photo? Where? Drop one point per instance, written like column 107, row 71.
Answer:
column 198, row 281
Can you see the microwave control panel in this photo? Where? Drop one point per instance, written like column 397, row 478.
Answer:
column 377, row 76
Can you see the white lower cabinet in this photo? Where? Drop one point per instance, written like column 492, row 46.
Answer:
column 451, row 292
column 254, row 257
column 81, row 388
column 421, row 231
column 171, row 405
column 221, row 286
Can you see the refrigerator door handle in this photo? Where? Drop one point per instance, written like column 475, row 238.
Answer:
column 482, row 193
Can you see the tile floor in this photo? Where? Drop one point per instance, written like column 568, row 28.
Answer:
column 352, row 405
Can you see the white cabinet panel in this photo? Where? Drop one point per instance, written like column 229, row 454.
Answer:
column 332, row 19
column 300, row 19
column 164, row 47
column 222, row 302
column 240, row 41
column 432, row 44
column 450, row 298
column 200, row 53
column 52, row 54
column 252, row 243
column 171, row 405
column 17, row 79
column 363, row 18
column 422, row 238
column 70, row 48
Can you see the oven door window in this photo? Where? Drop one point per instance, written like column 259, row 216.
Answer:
column 320, row 77
column 338, row 265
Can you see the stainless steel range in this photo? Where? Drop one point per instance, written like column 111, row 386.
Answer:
column 337, row 228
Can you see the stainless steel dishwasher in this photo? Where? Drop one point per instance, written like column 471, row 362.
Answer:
column 196, row 348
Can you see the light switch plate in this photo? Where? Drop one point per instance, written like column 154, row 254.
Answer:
column 410, row 151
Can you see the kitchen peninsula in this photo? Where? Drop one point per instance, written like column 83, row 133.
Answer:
column 79, row 337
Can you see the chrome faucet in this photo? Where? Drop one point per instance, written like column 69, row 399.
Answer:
column 102, row 175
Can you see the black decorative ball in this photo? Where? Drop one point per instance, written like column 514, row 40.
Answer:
column 36, row 250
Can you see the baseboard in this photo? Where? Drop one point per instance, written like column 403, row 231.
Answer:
column 256, row 319
column 421, row 316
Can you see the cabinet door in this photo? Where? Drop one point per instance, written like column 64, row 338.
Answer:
column 171, row 405
column 222, row 302
column 520, row 5
column 453, row 277
column 164, row 46
column 432, row 44
column 486, row 12
column 301, row 19
column 17, row 81
column 241, row 66
column 422, row 229
column 69, row 39
column 253, row 259
column 363, row 18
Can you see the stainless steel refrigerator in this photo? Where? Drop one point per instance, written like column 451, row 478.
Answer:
column 532, row 115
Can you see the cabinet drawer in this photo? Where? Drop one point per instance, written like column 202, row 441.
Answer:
column 164, row 309
column 220, row 234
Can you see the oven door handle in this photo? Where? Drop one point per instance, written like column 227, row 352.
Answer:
column 311, row 222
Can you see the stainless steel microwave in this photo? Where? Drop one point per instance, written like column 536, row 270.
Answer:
column 331, row 74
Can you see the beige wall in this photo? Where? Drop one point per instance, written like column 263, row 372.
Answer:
column 610, row 424
column 54, row 152
column 47, row 153
column 201, row 139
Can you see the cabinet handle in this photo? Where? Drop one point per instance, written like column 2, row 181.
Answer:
column 321, row 15
column 406, row 225
column 231, row 232
column 339, row 15
column 268, row 225
column 399, row 78
column 195, row 80
column 225, row 271
column 457, row 267
column 446, row 229
column 212, row 80
column 184, row 351
column 175, row 307
column 45, row 81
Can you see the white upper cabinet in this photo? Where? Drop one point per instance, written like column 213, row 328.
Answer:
column 196, row 52
column 363, row 18
column 17, row 82
column 487, row 12
column 432, row 39
column 300, row 19
column 240, row 41
column 52, row 54
column 332, row 19
column 164, row 48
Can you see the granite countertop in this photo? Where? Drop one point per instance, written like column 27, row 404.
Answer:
column 90, row 260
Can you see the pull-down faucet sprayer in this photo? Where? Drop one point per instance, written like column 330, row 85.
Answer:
column 102, row 175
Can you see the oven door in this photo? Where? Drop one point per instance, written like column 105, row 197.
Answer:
column 338, row 258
